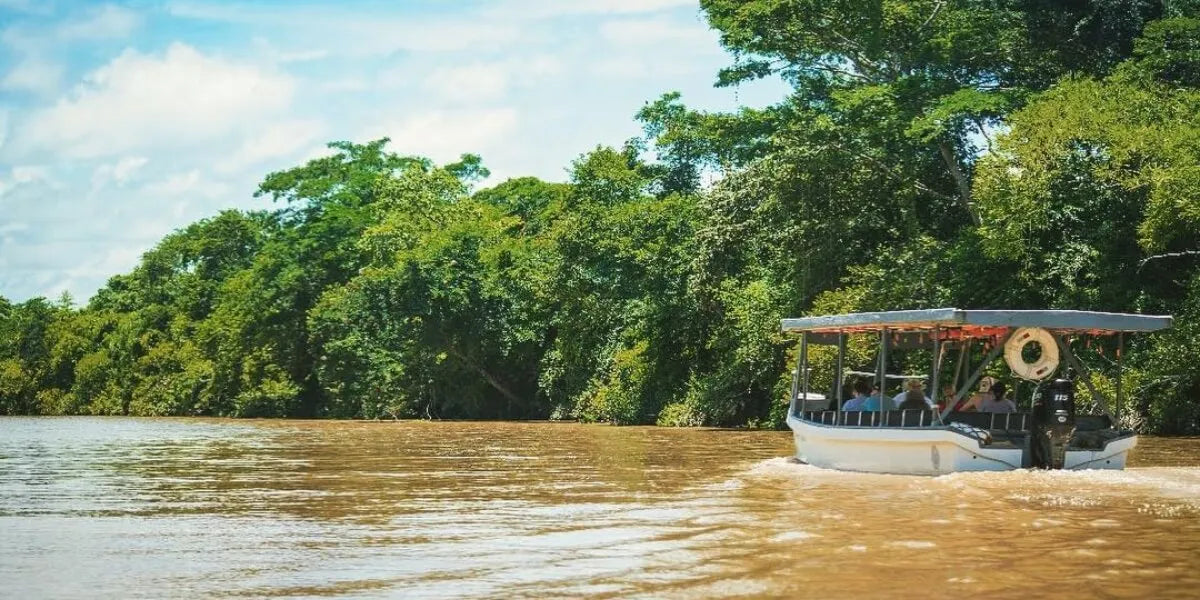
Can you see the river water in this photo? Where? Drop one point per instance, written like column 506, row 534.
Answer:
column 146, row 508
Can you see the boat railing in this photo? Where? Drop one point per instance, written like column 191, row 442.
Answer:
column 917, row 418
column 894, row 418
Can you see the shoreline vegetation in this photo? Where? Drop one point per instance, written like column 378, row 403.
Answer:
column 968, row 154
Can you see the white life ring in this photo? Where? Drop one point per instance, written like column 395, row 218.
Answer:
column 1044, row 366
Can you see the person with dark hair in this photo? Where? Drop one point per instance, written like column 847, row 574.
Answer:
column 859, row 400
column 913, row 398
column 998, row 403
column 878, row 401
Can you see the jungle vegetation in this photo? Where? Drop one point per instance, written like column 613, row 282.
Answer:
column 968, row 153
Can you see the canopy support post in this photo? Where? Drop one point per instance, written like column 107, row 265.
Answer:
column 960, row 369
column 1120, row 349
column 883, row 355
column 937, row 365
column 839, row 378
column 804, row 369
column 995, row 352
column 796, row 378
column 1084, row 375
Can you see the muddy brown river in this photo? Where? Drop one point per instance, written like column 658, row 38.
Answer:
column 148, row 508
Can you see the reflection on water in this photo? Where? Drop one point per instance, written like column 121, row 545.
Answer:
column 187, row 508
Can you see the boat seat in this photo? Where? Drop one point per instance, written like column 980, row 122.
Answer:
column 1016, row 421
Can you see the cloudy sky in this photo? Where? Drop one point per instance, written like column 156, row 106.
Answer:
column 120, row 122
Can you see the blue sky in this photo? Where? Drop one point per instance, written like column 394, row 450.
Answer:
column 120, row 122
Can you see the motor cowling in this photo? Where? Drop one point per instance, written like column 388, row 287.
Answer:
column 1053, row 423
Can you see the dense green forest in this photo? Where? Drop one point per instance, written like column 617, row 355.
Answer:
column 968, row 153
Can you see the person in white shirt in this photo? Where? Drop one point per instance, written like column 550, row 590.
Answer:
column 998, row 403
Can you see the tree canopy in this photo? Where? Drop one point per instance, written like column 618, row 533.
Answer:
column 1004, row 154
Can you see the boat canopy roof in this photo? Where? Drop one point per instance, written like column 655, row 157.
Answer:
column 979, row 322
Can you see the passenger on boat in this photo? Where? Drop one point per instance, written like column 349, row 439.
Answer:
column 915, row 393
column 948, row 392
column 861, row 389
column 878, row 401
column 973, row 402
column 998, row 403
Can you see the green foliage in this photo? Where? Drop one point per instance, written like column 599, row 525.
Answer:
column 1169, row 52
column 1013, row 154
column 1171, row 372
column 1094, row 188
column 617, row 395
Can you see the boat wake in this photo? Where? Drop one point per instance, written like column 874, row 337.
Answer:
column 1157, row 491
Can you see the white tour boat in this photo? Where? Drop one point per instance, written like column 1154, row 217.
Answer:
column 931, row 442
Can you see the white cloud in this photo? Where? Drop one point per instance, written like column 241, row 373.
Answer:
column 357, row 32
column 568, row 8
column 444, row 135
column 480, row 82
column 30, row 174
column 99, row 23
column 19, row 5
column 182, row 189
column 38, row 8
column 80, row 278
column 120, row 172
column 7, row 228
column 176, row 184
column 33, row 75
column 125, row 168
column 107, row 21
column 21, row 175
column 470, row 83
column 264, row 48
column 142, row 102
column 341, row 85
column 278, row 139
column 654, row 32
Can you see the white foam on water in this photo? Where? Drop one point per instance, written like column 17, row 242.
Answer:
column 1045, row 523
column 793, row 536
column 913, row 544
column 1163, row 491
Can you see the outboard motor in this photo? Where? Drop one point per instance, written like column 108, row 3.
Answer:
column 1053, row 423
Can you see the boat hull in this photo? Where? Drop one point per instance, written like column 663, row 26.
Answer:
column 927, row 450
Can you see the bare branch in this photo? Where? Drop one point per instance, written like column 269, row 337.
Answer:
column 884, row 169
column 933, row 15
column 1167, row 255
column 837, row 71
column 960, row 179
column 983, row 132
